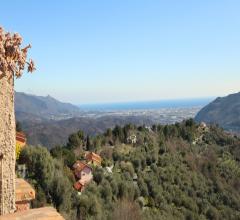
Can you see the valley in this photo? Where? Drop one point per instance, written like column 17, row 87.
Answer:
column 48, row 122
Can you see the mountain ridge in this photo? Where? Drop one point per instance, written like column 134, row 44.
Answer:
column 44, row 107
column 224, row 111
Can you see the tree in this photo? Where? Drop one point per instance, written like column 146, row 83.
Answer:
column 61, row 191
column 118, row 133
column 18, row 126
column 40, row 165
column 74, row 141
column 50, row 178
column 125, row 209
column 64, row 154
column 190, row 122
column 89, row 207
column 88, row 144
column 108, row 133
column 81, row 135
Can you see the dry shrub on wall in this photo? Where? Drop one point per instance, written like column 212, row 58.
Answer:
column 13, row 58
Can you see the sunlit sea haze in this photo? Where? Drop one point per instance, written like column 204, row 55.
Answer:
column 147, row 105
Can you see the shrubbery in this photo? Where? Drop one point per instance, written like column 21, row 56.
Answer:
column 174, row 172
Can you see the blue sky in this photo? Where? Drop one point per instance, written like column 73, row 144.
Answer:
column 118, row 50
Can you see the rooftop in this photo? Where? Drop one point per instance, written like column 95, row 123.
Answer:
column 79, row 166
column 21, row 137
column 24, row 191
column 93, row 156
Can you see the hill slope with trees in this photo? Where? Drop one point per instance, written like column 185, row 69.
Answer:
column 51, row 133
column 182, row 171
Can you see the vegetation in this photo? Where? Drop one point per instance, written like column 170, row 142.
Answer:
column 13, row 58
column 181, row 171
column 18, row 145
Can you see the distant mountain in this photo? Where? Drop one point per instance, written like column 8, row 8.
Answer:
column 223, row 111
column 43, row 107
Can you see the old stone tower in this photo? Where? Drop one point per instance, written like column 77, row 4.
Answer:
column 12, row 63
column 7, row 146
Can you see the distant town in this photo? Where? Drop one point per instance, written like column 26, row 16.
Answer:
column 162, row 115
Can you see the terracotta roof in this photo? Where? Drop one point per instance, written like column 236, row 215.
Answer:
column 46, row 213
column 20, row 134
column 79, row 166
column 21, row 137
column 93, row 156
column 22, row 140
column 24, row 191
column 78, row 186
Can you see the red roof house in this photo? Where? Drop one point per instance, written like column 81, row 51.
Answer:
column 78, row 186
column 21, row 139
column 93, row 158
column 82, row 172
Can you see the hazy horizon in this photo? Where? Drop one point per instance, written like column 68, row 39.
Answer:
column 120, row 51
column 92, row 104
column 147, row 105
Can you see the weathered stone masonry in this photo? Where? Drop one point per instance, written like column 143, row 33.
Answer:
column 7, row 146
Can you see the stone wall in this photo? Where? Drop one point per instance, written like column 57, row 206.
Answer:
column 7, row 145
column 46, row 213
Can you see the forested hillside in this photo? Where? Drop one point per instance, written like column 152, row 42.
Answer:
column 52, row 133
column 182, row 171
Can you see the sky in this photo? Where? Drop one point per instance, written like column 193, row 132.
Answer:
column 128, row 50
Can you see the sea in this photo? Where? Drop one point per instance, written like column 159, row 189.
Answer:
column 147, row 105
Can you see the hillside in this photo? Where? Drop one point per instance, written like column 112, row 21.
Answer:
column 48, row 122
column 184, row 171
column 223, row 111
column 50, row 133
column 42, row 107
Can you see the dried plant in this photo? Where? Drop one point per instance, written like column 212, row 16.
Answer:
column 13, row 58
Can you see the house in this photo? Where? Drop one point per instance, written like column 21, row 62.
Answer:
column 82, row 172
column 203, row 127
column 93, row 158
column 132, row 139
column 135, row 177
column 21, row 139
column 203, row 124
column 109, row 169
column 78, row 186
column 21, row 170
column 149, row 128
